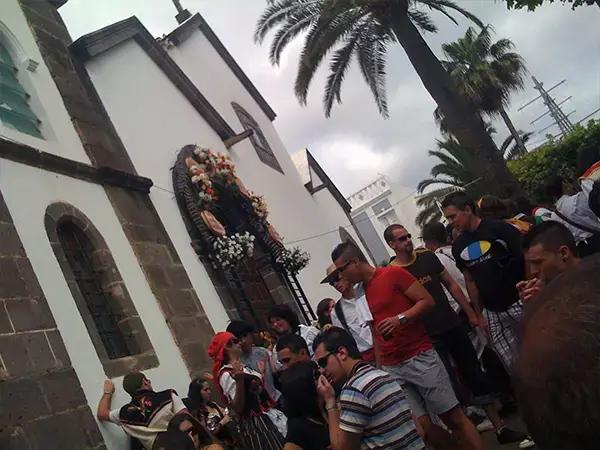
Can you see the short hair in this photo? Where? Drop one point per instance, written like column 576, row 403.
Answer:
column 434, row 231
column 240, row 328
column 551, row 235
column 284, row 312
column 293, row 342
column 334, row 338
column 347, row 251
column 556, row 372
column 132, row 382
column 491, row 207
column 388, row 233
column 173, row 440
column 460, row 201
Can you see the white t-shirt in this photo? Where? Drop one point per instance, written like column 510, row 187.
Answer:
column 308, row 333
column 354, row 311
column 228, row 384
column 444, row 254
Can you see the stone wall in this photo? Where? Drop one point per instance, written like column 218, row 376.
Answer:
column 40, row 393
column 137, row 215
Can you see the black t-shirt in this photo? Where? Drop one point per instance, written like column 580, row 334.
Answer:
column 428, row 269
column 493, row 257
column 308, row 434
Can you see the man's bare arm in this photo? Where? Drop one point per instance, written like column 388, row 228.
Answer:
column 103, row 412
column 459, row 296
column 376, row 348
column 422, row 303
column 474, row 295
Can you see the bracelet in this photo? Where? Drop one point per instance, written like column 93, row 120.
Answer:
column 332, row 405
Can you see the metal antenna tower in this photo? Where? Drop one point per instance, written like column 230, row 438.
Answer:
column 560, row 118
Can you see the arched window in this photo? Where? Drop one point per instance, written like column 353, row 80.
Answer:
column 260, row 143
column 100, row 294
column 78, row 252
column 15, row 111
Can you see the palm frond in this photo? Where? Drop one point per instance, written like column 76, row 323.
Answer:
column 340, row 61
column 294, row 26
column 442, row 5
column 277, row 12
column 371, row 52
column 422, row 21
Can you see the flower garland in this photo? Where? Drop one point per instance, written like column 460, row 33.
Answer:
column 230, row 250
column 294, row 260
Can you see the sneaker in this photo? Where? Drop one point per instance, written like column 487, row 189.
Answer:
column 484, row 426
column 508, row 436
column 527, row 443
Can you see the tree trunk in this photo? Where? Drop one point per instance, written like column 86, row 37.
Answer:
column 462, row 120
column 513, row 131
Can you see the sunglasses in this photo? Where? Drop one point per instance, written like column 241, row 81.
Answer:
column 406, row 237
column 191, row 431
column 284, row 360
column 322, row 362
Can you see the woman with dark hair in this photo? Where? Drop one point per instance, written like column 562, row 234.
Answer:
column 201, row 438
column 324, row 309
column 261, row 426
column 217, row 419
column 491, row 207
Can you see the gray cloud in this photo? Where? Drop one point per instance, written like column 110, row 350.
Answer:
column 356, row 143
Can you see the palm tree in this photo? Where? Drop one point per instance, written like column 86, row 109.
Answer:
column 514, row 152
column 364, row 30
column 455, row 171
column 486, row 74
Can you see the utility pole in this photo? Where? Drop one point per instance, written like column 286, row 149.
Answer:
column 182, row 14
column 559, row 117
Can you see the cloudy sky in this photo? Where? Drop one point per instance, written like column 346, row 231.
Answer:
column 356, row 144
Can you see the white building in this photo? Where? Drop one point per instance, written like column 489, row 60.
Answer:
column 107, row 261
column 378, row 205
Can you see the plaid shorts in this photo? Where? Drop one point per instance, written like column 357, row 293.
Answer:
column 503, row 327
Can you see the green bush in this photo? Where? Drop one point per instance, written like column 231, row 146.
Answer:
column 556, row 157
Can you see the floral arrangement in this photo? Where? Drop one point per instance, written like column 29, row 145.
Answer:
column 206, row 192
column 229, row 250
column 217, row 165
column 259, row 205
column 293, row 260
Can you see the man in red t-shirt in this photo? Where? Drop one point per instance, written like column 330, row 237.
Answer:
column 397, row 302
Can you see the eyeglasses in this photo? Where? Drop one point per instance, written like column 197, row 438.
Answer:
column 191, row 431
column 406, row 237
column 285, row 360
column 322, row 362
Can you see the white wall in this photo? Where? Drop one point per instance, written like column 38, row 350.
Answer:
column 27, row 192
column 60, row 137
column 154, row 121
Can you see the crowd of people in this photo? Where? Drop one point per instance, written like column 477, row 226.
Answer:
column 497, row 308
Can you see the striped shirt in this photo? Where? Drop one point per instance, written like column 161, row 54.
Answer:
column 373, row 405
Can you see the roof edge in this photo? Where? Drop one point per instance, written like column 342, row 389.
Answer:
column 312, row 163
column 184, row 31
column 94, row 44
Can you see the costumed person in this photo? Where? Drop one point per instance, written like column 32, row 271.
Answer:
column 261, row 426
column 217, row 419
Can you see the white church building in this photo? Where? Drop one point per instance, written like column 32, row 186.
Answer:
column 116, row 220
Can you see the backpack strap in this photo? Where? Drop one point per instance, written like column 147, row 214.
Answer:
column 340, row 313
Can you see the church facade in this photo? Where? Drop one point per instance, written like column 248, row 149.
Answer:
column 146, row 199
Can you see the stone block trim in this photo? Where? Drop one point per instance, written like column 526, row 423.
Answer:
column 166, row 275
column 119, row 302
column 135, row 211
column 40, row 392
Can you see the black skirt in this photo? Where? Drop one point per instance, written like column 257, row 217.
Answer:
column 259, row 433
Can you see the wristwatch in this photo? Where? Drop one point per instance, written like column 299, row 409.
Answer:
column 108, row 392
column 403, row 319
